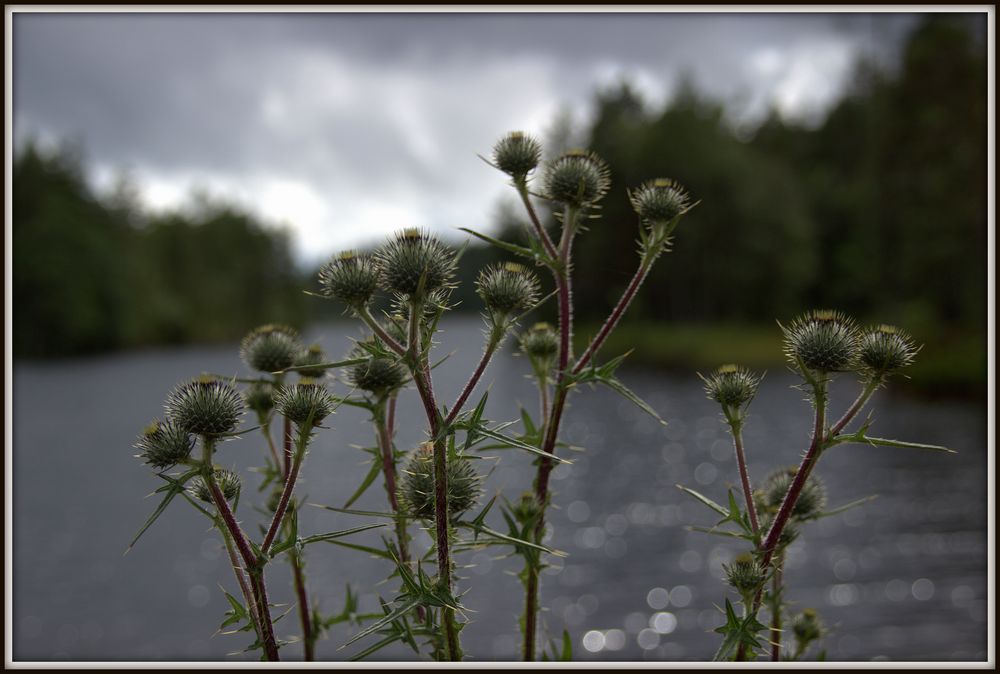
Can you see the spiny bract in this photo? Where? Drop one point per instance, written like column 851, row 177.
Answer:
column 350, row 277
column 164, row 444
column 228, row 481
column 380, row 375
column 304, row 402
column 417, row 484
column 270, row 348
column 259, row 397
column 415, row 263
column 540, row 341
column 824, row 341
column 811, row 501
column 205, row 406
column 507, row 288
column 309, row 358
column 745, row 574
column 884, row 349
column 732, row 386
column 517, row 154
column 660, row 201
column 577, row 178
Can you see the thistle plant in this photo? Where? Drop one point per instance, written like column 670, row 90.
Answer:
column 572, row 185
column 819, row 345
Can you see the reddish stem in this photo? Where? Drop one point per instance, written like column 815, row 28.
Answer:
column 470, row 385
column 543, row 236
column 615, row 316
column 286, row 495
column 745, row 476
column 308, row 643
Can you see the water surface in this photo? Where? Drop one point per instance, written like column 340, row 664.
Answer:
column 902, row 578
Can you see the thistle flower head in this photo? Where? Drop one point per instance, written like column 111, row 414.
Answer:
column 205, row 406
column 507, row 288
column 304, row 402
column 577, row 178
column 259, row 397
column 807, row 627
column 811, row 501
column 884, row 349
column 417, row 484
column 270, row 348
column 732, row 386
column 164, row 444
column 517, row 154
column 745, row 574
column 350, row 277
column 823, row 341
column 311, row 357
column 659, row 202
column 415, row 263
column 380, row 375
column 229, row 484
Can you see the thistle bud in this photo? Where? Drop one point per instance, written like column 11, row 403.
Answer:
column 415, row 263
column 304, row 402
column 228, row 481
column 259, row 397
column 310, row 357
column 732, row 386
column 270, row 348
column 884, row 349
column 659, row 202
column 811, row 501
column 350, row 277
column 507, row 289
column 746, row 575
column 417, row 484
column 517, row 154
column 807, row 627
column 163, row 444
column 577, row 178
column 205, row 406
column 540, row 344
column 526, row 510
column 824, row 341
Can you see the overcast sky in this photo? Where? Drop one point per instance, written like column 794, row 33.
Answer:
column 350, row 126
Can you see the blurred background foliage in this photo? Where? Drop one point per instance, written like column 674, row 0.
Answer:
column 880, row 210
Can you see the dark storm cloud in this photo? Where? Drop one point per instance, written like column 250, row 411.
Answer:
column 386, row 108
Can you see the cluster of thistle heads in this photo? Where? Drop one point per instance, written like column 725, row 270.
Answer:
column 211, row 408
column 818, row 344
column 579, row 179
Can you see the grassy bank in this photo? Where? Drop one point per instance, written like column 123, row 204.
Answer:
column 951, row 363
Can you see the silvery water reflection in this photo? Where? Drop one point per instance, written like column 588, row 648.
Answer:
column 902, row 578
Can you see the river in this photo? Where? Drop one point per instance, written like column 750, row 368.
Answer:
column 903, row 577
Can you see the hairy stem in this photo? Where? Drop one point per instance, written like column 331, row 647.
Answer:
column 736, row 427
column 776, row 610
column 470, row 386
column 616, row 314
column 299, row 581
column 286, row 492
column 425, row 387
column 543, row 236
column 770, row 543
column 564, row 294
column 241, row 579
column 249, row 559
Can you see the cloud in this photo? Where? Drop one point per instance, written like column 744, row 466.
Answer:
column 349, row 126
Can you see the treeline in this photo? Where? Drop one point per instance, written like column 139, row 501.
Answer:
column 879, row 211
column 93, row 274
